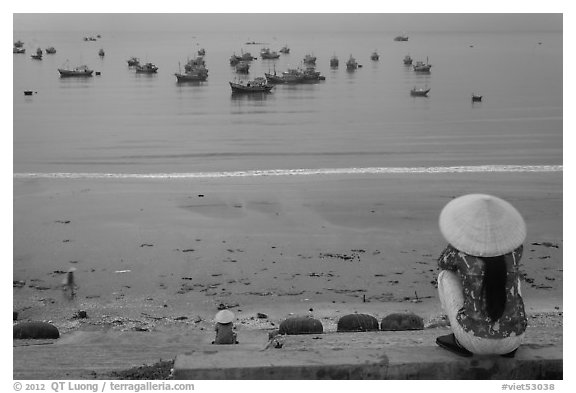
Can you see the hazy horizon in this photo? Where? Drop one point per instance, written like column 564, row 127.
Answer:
column 281, row 22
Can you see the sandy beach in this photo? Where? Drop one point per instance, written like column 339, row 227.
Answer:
column 172, row 251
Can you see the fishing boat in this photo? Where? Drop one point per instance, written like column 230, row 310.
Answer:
column 274, row 78
column 266, row 54
column 18, row 44
column 101, row 53
column 133, row 62
column 194, row 63
column 419, row 92
column 234, row 59
column 351, row 64
column 285, row 49
column 192, row 76
column 402, row 37
column 82, row 70
column 38, row 55
column 202, row 52
column 407, row 60
column 293, row 75
column 309, row 59
column 147, row 68
column 18, row 50
column 194, row 72
column 476, row 98
column 50, row 50
column 421, row 67
column 243, row 67
column 258, row 85
column 247, row 56
column 374, row 56
column 334, row 62
column 311, row 75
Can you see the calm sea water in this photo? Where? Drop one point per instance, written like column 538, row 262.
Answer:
column 122, row 122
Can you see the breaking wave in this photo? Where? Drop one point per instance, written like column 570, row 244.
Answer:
column 297, row 172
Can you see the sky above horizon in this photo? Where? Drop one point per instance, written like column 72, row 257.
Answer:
column 287, row 22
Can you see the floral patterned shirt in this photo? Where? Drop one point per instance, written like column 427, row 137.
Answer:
column 473, row 316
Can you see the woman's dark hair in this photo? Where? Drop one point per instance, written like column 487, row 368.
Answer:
column 494, row 286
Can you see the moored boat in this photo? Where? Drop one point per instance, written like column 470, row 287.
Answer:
column 285, row 49
column 195, row 71
column 309, row 59
column 101, row 53
column 266, row 54
column 243, row 67
column 133, row 62
column 293, row 75
column 407, row 60
column 50, row 50
column 476, row 98
column 258, row 85
column 18, row 44
column 192, row 76
column 311, row 75
column 402, row 37
column 419, row 92
column 421, row 67
column 334, row 62
column 18, row 50
column 374, row 56
column 82, row 70
column 273, row 78
column 37, row 55
column 148, row 68
column 194, row 63
column 351, row 64
column 202, row 52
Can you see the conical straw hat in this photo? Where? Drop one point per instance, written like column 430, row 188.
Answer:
column 482, row 225
column 224, row 316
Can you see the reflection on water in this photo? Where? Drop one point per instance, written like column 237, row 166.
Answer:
column 239, row 97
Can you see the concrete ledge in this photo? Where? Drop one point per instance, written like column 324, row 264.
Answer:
column 374, row 355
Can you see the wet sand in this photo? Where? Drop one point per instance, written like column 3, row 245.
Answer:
column 173, row 251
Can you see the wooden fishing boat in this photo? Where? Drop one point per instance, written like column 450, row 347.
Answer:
column 419, row 92
column 258, row 85
column 37, row 55
column 309, row 59
column 351, row 64
column 266, row 54
column 81, row 71
column 133, row 62
column 243, row 67
column 334, row 62
column 421, row 67
column 147, row 68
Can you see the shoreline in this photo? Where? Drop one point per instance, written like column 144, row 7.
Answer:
column 149, row 250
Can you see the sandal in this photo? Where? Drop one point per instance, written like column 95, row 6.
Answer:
column 450, row 343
